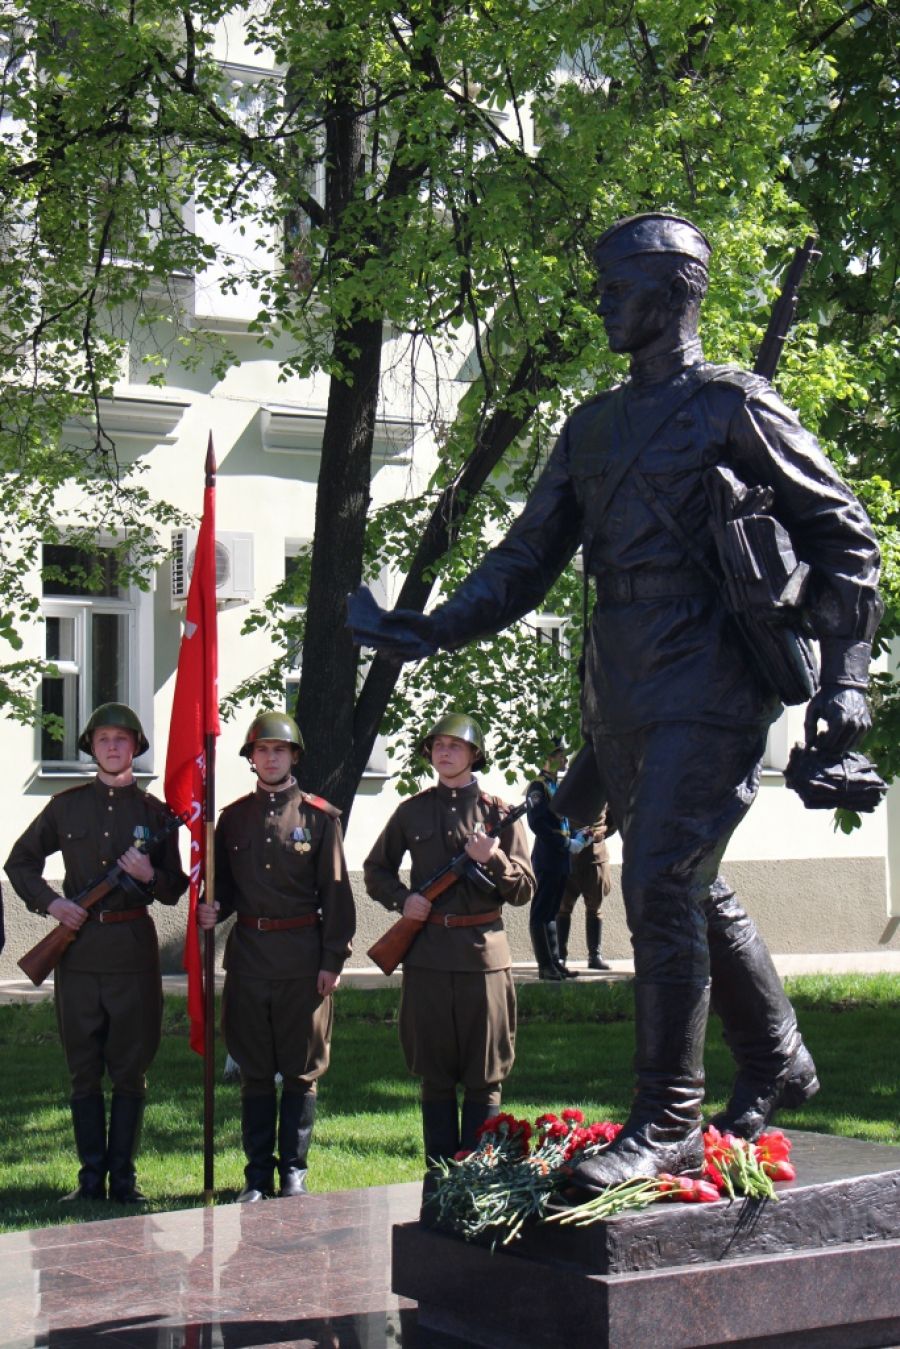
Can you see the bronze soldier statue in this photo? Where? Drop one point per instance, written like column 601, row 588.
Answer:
column 280, row 867
column 108, row 987
column 674, row 706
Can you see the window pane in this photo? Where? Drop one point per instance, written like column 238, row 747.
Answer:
column 60, row 633
column 109, row 650
column 72, row 571
column 60, row 697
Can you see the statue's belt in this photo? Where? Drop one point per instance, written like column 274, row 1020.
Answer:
column 621, row 587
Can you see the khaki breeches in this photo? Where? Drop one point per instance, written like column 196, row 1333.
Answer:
column 458, row 1027
column 276, row 1026
column 109, row 1023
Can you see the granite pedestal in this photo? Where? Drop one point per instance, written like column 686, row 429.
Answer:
column 819, row 1269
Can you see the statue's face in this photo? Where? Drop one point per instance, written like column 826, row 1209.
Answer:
column 636, row 306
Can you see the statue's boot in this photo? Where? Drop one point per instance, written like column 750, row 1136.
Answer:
column 89, row 1126
column 663, row 1130
column 295, row 1127
column 593, row 931
column 775, row 1068
column 258, row 1122
column 474, row 1114
column 126, row 1116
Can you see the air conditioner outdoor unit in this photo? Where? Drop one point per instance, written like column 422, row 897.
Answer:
column 234, row 566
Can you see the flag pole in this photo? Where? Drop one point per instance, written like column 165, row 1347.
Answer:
column 209, row 936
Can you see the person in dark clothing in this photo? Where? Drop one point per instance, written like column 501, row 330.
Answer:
column 551, row 857
column 589, row 878
column 108, row 986
column 280, row 867
column 672, row 701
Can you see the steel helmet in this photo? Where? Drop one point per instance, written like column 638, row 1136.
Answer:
column 113, row 714
column 272, row 726
column 464, row 727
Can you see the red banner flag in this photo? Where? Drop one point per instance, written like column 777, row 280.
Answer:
column 190, row 759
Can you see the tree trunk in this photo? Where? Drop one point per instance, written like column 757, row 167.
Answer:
column 329, row 675
column 501, row 430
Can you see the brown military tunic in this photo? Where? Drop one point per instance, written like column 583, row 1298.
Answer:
column 279, row 854
column 108, row 988
column 458, row 1012
column 590, row 875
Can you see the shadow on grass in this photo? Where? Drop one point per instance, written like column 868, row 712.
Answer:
column 575, row 1046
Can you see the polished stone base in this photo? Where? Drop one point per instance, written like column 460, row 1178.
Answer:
column 818, row 1269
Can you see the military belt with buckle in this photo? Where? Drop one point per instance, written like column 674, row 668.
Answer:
column 464, row 919
column 276, row 924
column 118, row 915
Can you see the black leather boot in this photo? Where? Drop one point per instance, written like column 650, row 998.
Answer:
column 553, row 943
column 89, row 1126
column 474, row 1114
column 663, row 1130
column 775, row 1068
column 258, row 1120
column 440, row 1127
column 563, row 928
column 593, row 931
column 295, row 1126
column 540, row 942
column 126, row 1115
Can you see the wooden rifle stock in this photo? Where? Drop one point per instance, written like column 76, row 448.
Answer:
column 46, row 955
column 390, row 949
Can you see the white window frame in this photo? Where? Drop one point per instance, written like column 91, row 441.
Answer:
column 546, row 626
column 136, row 606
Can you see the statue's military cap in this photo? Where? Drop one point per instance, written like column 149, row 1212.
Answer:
column 653, row 232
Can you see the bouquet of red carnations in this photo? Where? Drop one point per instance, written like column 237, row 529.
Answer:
column 515, row 1170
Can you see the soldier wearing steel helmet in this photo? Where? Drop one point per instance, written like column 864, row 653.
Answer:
column 280, row 868
column 107, row 985
column 458, row 1004
column 673, row 703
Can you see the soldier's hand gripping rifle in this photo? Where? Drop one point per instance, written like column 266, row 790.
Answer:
column 390, row 949
column 41, row 959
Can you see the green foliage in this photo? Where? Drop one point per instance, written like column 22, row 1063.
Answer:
column 391, row 175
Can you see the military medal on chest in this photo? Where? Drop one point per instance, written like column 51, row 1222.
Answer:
column 302, row 838
column 141, row 836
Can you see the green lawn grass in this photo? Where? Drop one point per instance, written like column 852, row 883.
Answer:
column 574, row 1047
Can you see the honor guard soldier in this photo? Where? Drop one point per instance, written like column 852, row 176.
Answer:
column 280, row 868
column 458, row 1003
column 674, row 702
column 590, row 877
column 555, row 847
column 108, row 986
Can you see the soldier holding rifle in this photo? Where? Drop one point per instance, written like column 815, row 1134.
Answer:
column 458, row 1006
column 108, row 986
column 673, row 703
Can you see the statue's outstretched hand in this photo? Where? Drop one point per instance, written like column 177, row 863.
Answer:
column 846, row 716
column 399, row 634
